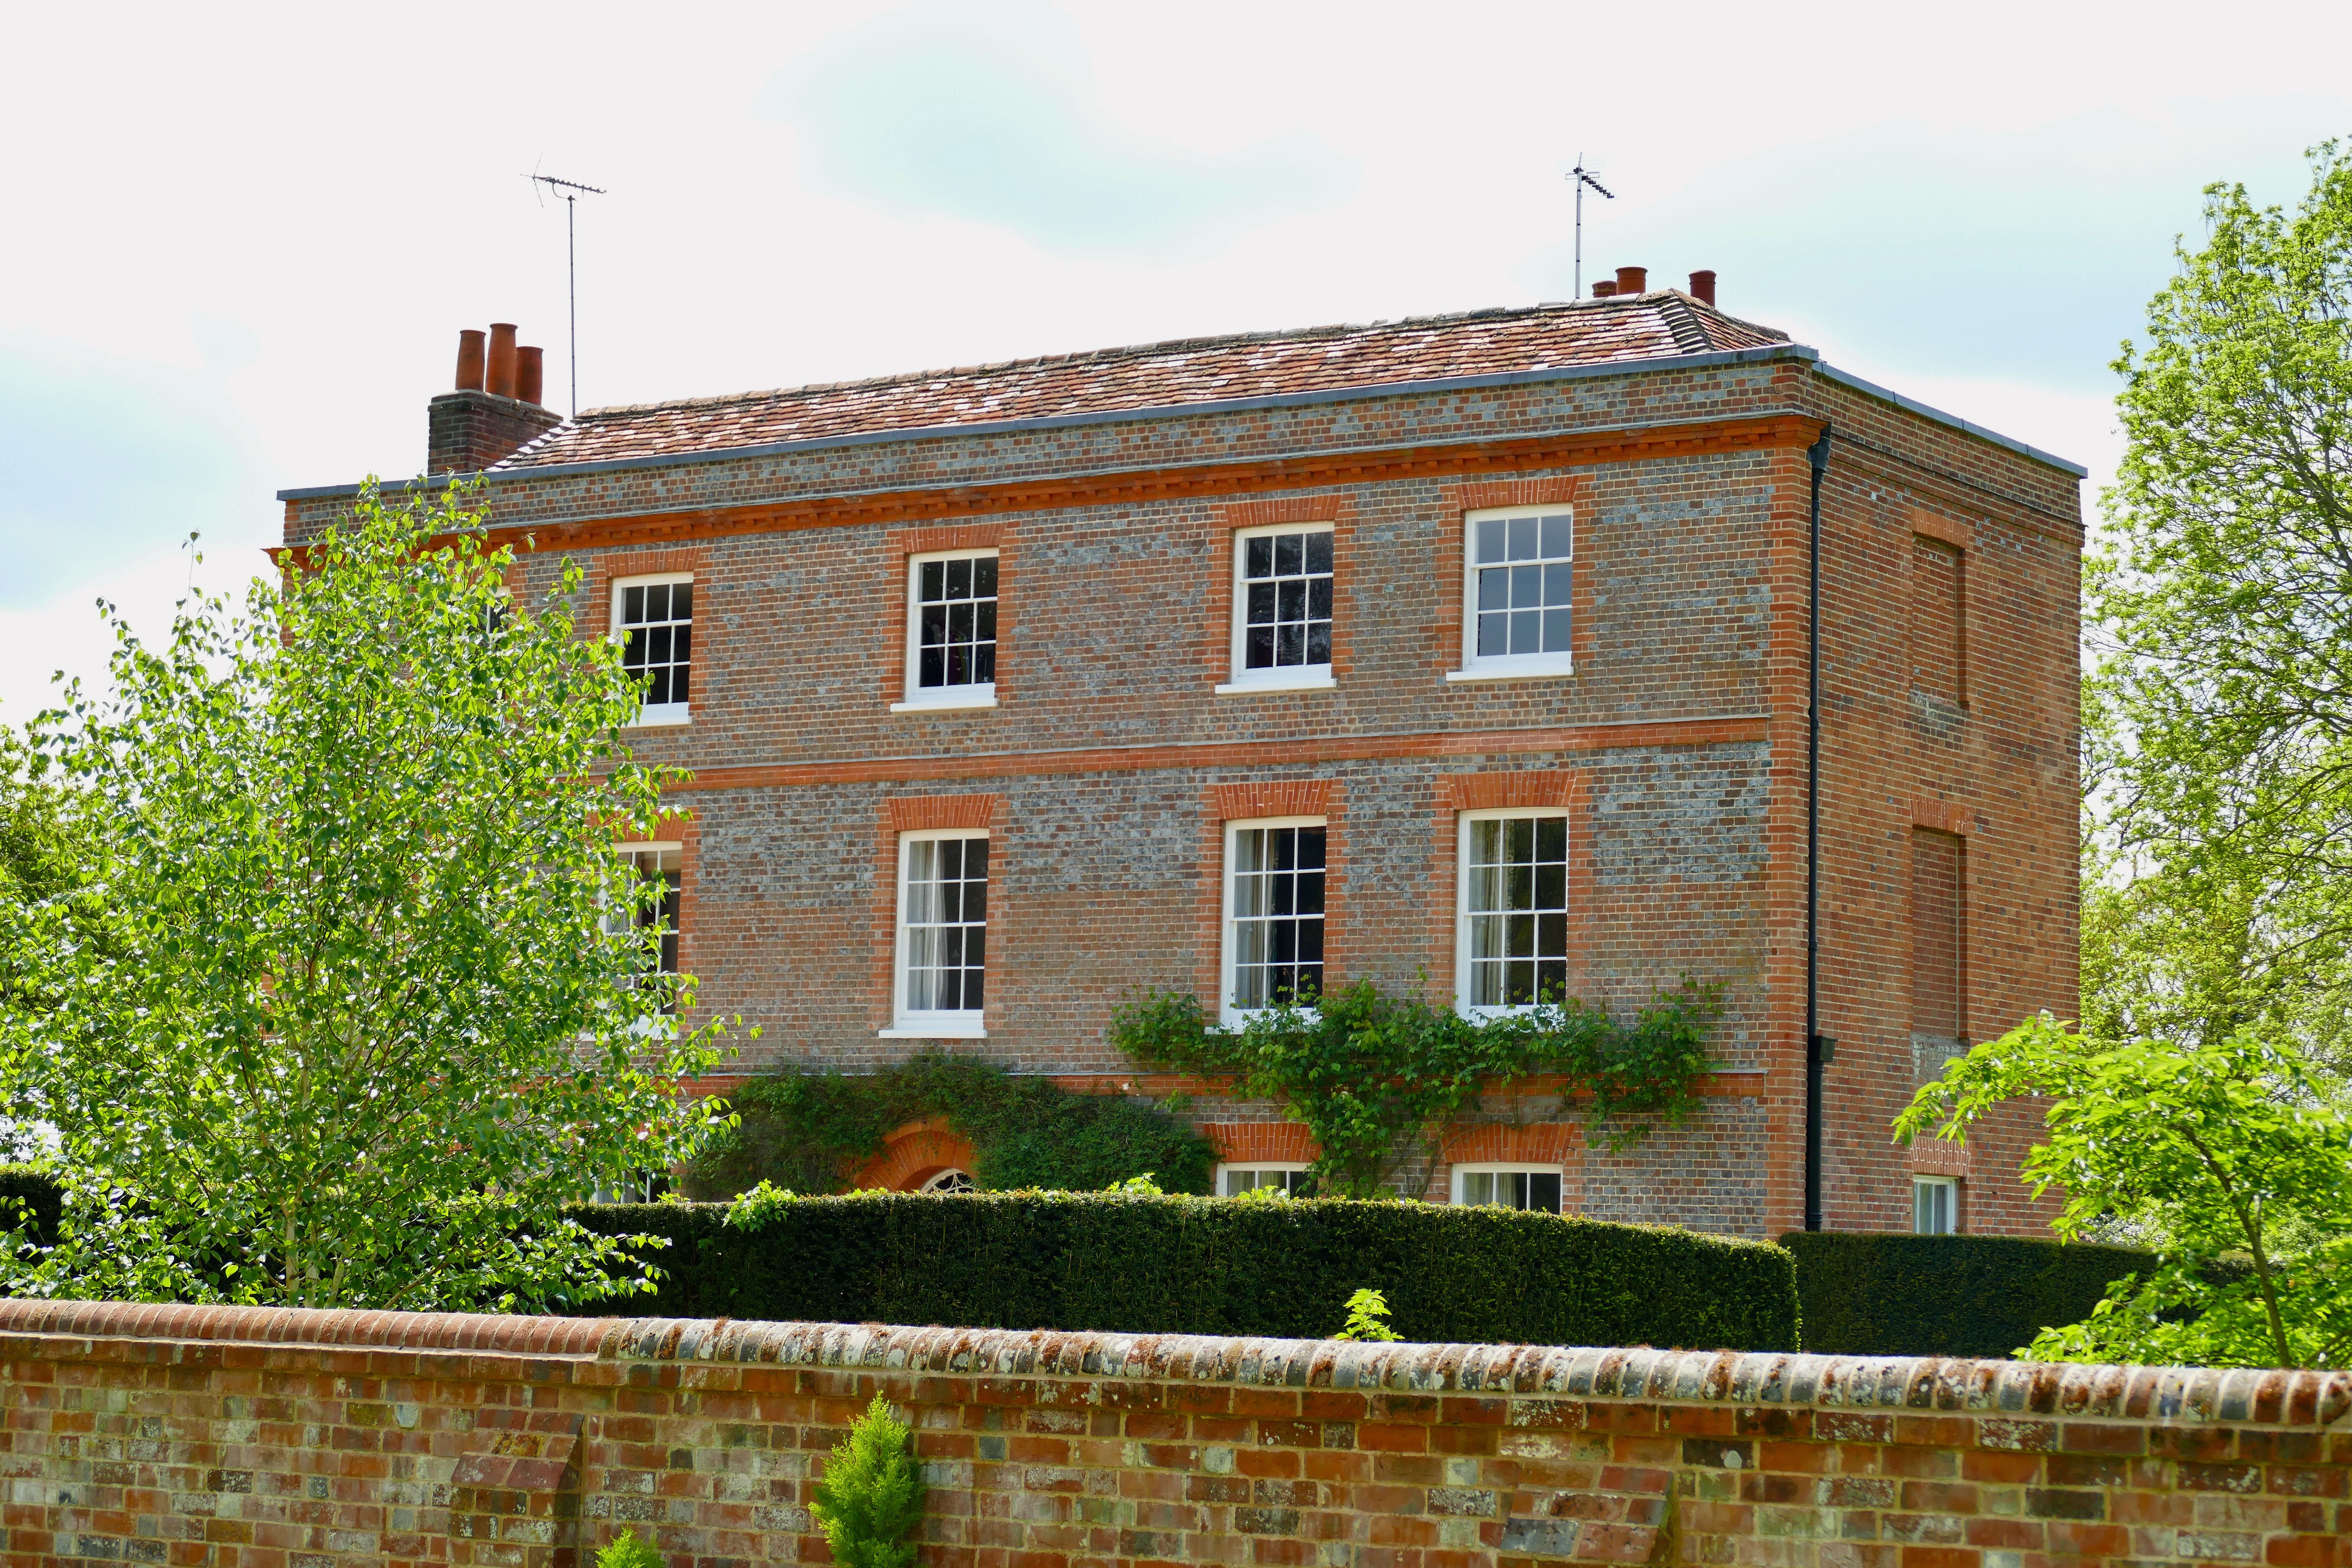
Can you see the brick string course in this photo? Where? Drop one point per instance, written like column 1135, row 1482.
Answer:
column 259, row 1438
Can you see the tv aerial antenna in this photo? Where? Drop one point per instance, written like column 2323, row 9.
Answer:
column 543, row 185
column 1580, row 178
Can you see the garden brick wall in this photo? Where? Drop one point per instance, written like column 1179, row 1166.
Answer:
column 257, row 1438
column 1679, row 742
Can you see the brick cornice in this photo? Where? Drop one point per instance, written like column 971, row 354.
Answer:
column 915, row 507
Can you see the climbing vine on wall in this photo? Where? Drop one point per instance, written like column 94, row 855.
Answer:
column 1376, row 1077
column 810, row 1132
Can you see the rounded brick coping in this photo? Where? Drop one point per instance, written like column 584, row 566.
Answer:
column 2184, row 1395
column 487, row 1331
column 2172, row 1395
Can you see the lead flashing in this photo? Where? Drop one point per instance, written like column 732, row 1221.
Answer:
column 1872, row 389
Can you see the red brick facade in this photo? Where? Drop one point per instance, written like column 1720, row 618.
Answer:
column 1110, row 762
column 253, row 1438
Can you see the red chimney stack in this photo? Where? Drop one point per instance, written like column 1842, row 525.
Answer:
column 1630, row 280
column 496, row 406
column 1702, row 287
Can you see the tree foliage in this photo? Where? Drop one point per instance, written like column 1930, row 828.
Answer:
column 1377, row 1077
column 359, row 1014
column 2222, row 1148
column 2219, row 722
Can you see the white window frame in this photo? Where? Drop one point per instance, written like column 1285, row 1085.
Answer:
column 1462, row 1002
column 1223, row 1166
column 1227, row 1012
column 964, row 1024
column 919, row 698
column 1509, row 1168
column 1950, row 1187
column 1239, row 678
column 655, row 715
column 1509, row 667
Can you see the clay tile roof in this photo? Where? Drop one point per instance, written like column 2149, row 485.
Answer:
column 1160, row 376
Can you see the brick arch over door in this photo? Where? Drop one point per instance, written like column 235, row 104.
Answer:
column 915, row 1153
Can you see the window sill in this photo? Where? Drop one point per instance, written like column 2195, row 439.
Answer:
column 1550, row 669
column 1245, row 686
column 939, row 1032
column 982, row 699
column 668, row 716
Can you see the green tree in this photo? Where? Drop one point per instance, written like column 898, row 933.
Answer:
column 46, row 852
column 369, row 1002
column 2223, row 1149
column 2218, row 723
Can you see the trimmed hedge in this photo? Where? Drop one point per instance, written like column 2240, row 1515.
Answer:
column 1979, row 1296
column 1214, row 1266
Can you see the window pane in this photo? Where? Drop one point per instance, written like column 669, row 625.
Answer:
column 946, row 911
column 1543, row 1191
column 1516, row 900
column 1318, row 552
column 1257, row 556
column 1491, row 534
column 657, row 601
column 1276, row 898
column 1287, row 554
column 956, row 603
column 1554, row 631
column 1523, row 538
column 1555, row 536
column 1495, row 588
column 1494, row 635
column 1526, row 631
column 1478, row 1188
column 633, row 605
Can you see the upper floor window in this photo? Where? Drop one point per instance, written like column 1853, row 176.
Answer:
column 1274, row 912
column 943, row 965
column 1934, row 1206
column 1282, row 607
column 1512, row 910
column 952, row 630
column 653, row 619
column 1518, row 562
column 1509, row 1186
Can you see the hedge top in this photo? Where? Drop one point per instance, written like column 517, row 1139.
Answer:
column 2160, row 1395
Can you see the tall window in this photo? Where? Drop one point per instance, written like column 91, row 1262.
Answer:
column 1514, row 908
column 1934, row 1206
column 1518, row 599
column 1274, row 912
column 1282, row 605
column 952, row 630
column 654, row 618
column 1509, row 1186
column 942, row 931
column 654, row 916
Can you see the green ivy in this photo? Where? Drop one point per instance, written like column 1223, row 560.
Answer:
column 1375, row 1077
column 810, row 1132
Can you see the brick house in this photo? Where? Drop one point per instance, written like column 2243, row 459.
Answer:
column 1472, row 648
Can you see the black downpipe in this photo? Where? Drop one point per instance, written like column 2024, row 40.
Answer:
column 1817, row 1049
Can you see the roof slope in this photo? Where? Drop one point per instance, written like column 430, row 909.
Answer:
column 1160, row 376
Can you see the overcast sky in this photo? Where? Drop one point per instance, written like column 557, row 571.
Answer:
column 240, row 242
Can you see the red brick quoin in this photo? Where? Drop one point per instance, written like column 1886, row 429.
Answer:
column 257, row 1438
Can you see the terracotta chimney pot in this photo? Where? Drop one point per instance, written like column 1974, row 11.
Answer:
column 1630, row 280
column 469, row 360
column 1603, row 288
column 499, row 380
column 1702, row 288
column 528, row 372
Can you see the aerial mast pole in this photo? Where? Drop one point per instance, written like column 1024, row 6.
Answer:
column 1580, row 178
column 571, row 191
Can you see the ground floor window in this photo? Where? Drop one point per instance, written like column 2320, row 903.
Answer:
column 949, row 1181
column 942, row 930
column 1232, row 1181
column 1934, row 1206
column 1274, row 912
column 1513, row 909
column 654, row 916
column 1509, row 1186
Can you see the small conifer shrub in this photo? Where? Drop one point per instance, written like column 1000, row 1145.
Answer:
column 627, row 1552
column 870, row 1495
